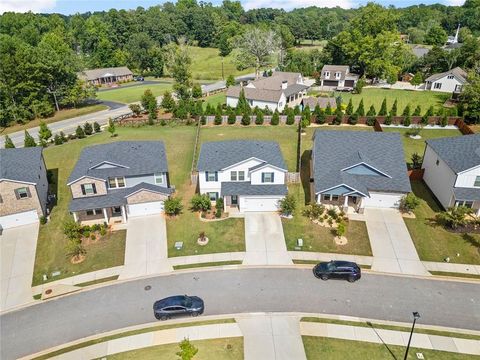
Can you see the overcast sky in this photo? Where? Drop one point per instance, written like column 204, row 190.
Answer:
column 68, row 7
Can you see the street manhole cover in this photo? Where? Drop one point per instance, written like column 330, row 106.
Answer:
column 148, row 287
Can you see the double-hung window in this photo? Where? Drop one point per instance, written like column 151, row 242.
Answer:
column 94, row 212
column 211, row 176
column 267, row 177
column 437, row 85
column 116, row 182
column 22, row 193
column 159, row 179
column 241, row 176
column 233, row 176
column 89, row 189
column 213, row 196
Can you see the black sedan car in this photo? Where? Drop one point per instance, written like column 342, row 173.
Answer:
column 337, row 270
column 178, row 305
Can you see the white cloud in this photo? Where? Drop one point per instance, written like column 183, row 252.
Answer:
column 26, row 5
column 291, row 4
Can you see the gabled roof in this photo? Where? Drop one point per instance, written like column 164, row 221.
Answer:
column 98, row 73
column 133, row 158
column 459, row 74
column 344, row 71
column 336, row 151
column 460, row 152
column 468, row 194
column 312, row 102
column 217, row 155
column 22, row 164
column 255, row 94
column 245, row 188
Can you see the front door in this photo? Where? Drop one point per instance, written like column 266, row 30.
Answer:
column 234, row 200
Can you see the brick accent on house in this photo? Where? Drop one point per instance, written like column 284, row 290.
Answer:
column 76, row 187
column 145, row 196
column 11, row 205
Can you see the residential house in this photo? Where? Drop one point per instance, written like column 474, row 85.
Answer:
column 420, row 50
column 273, row 92
column 323, row 102
column 448, row 81
column 452, row 170
column 248, row 174
column 23, row 186
column 112, row 182
column 338, row 77
column 359, row 169
column 106, row 76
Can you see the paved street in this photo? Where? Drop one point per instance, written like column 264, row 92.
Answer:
column 443, row 303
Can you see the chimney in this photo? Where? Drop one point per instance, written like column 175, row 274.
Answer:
column 284, row 84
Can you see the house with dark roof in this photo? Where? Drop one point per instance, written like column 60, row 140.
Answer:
column 452, row 170
column 448, row 81
column 321, row 101
column 248, row 174
column 23, row 186
column 338, row 77
column 273, row 92
column 106, row 76
column 112, row 182
column 359, row 169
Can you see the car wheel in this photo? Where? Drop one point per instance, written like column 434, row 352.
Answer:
column 194, row 314
column 324, row 277
column 351, row 279
column 163, row 317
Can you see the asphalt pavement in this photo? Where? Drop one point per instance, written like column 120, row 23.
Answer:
column 247, row 290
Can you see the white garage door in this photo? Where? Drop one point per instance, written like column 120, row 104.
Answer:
column 259, row 204
column 149, row 208
column 380, row 200
column 24, row 218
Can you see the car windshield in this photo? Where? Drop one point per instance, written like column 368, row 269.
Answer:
column 187, row 302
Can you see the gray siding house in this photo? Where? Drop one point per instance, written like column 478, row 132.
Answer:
column 112, row 182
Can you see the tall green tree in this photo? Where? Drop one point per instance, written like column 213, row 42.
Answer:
column 179, row 65
column 9, row 143
column 29, row 141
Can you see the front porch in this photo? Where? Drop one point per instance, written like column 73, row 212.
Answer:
column 107, row 215
column 231, row 206
column 346, row 203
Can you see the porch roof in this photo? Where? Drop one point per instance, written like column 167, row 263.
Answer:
column 246, row 188
column 468, row 194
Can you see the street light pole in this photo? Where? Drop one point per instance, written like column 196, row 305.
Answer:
column 416, row 316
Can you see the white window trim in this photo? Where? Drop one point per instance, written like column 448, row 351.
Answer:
column 327, row 74
column 213, row 192
column 156, row 176
column 270, row 174
column 243, row 175
column 477, row 178
column 88, row 189
column 210, row 173
column 116, row 182
column 233, row 176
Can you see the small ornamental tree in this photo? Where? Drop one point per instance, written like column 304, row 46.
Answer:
column 148, row 100
column 180, row 111
column 44, row 132
column 304, row 122
column 307, row 114
column 372, row 111
column 275, row 120
column 417, row 111
column 218, row 116
column 430, row 111
column 173, row 206
column 444, row 120
column 209, row 110
column 406, row 111
column 290, row 116
column 341, row 229
column 201, row 202
column 287, row 205
column 87, row 128
column 9, row 143
column 353, row 119
column 232, row 117
column 168, row 103
column 79, row 132
column 57, row 140
column 383, row 108
column 197, row 91
column 242, row 104
column 199, row 108
column 296, row 110
column 416, row 161
column 417, row 79
column 259, row 117
column 360, row 85
column 338, row 116
column 111, row 127
column 136, row 109
column 394, row 110
column 328, row 109
column 349, row 109
column 96, row 127
column 187, row 350
column 246, row 118
column 361, row 109
column 203, row 120
column 407, row 120
column 230, row 80
column 320, row 116
column 388, row 119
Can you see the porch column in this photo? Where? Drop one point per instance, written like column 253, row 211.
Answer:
column 224, row 204
column 105, row 215
column 75, row 217
column 345, row 203
column 124, row 215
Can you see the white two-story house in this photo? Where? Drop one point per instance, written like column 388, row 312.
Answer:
column 249, row 175
column 449, row 81
column 452, row 170
column 112, row 182
column 337, row 76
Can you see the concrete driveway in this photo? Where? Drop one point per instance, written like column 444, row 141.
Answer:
column 17, row 256
column 264, row 240
column 146, row 249
column 392, row 247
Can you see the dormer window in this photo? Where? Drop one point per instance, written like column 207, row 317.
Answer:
column 337, row 75
column 477, row 182
column 116, row 182
column 450, row 77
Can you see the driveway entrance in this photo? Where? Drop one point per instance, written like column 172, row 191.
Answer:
column 264, row 240
column 17, row 258
column 392, row 247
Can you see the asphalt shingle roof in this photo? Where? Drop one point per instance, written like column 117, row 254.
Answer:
column 98, row 73
column 217, row 155
column 312, row 102
column 471, row 194
column 336, row 150
column 114, row 197
column 459, row 73
column 247, row 189
column 134, row 158
column 460, row 152
column 22, row 164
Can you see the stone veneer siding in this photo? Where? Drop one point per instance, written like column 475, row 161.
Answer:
column 76, row 187
column 11, row 205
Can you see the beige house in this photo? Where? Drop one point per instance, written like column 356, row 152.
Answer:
column 23, row 186
column 112, row 182
column 106, row 76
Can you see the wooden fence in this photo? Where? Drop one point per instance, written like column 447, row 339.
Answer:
column 464, row 128
column 210, row 120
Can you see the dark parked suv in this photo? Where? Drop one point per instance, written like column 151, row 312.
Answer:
column 178, row 305
column 337, row 270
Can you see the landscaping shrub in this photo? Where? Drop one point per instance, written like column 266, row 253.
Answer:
column 353, row 119
column 96, row 127
column 287, row 204
column 230, row 80
column 417, row 111
column 406, row 111
column 79, row 132
column 361, row 109
column 328, row 109
column 290, row 117
column 372, row 111
column 370, row 120
column 43, row 220
column 444, row 121
column 296, row 110
column 203, row 120
column 338, row 116
column 409, row 202
column 72, row 229
column 360, row 85
column 168, row 103
column 394, row 109
column 341, row 229
column 173, row 206
column 407, row 120
column 57, row 140
column 246, row 119
column 313, row 211
column 319, row 115
column 201, row 202
column 383, row 108
column 307, row 114
column 218, row 117
column 388, row 120
column 196, row 91
column 275, row 118
column 232, row 118
column 136, row 109
column 88, row 129
column 349, row 109
column 332, row 213
column 111, row 127
column 454, row 217
column 219, row 204
column 259, row 117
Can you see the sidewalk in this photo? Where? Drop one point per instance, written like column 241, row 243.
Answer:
column 390, row 337
column 315, row 256
column 451, row 267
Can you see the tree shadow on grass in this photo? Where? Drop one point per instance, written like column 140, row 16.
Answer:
column 305, row 175
column 383, row 342
column 472, row 241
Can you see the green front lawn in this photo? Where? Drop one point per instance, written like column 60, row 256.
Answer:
column 61, row 160
column 214, row 100
column 129, row 94
column 404, row 97
column 286, row 136
column 411, row 146
column 318, row 238
column 218, row 349
column 432, row 241
column 328, row 348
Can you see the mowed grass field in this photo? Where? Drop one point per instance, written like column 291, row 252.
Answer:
column 129, row 94
column 372, row 96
